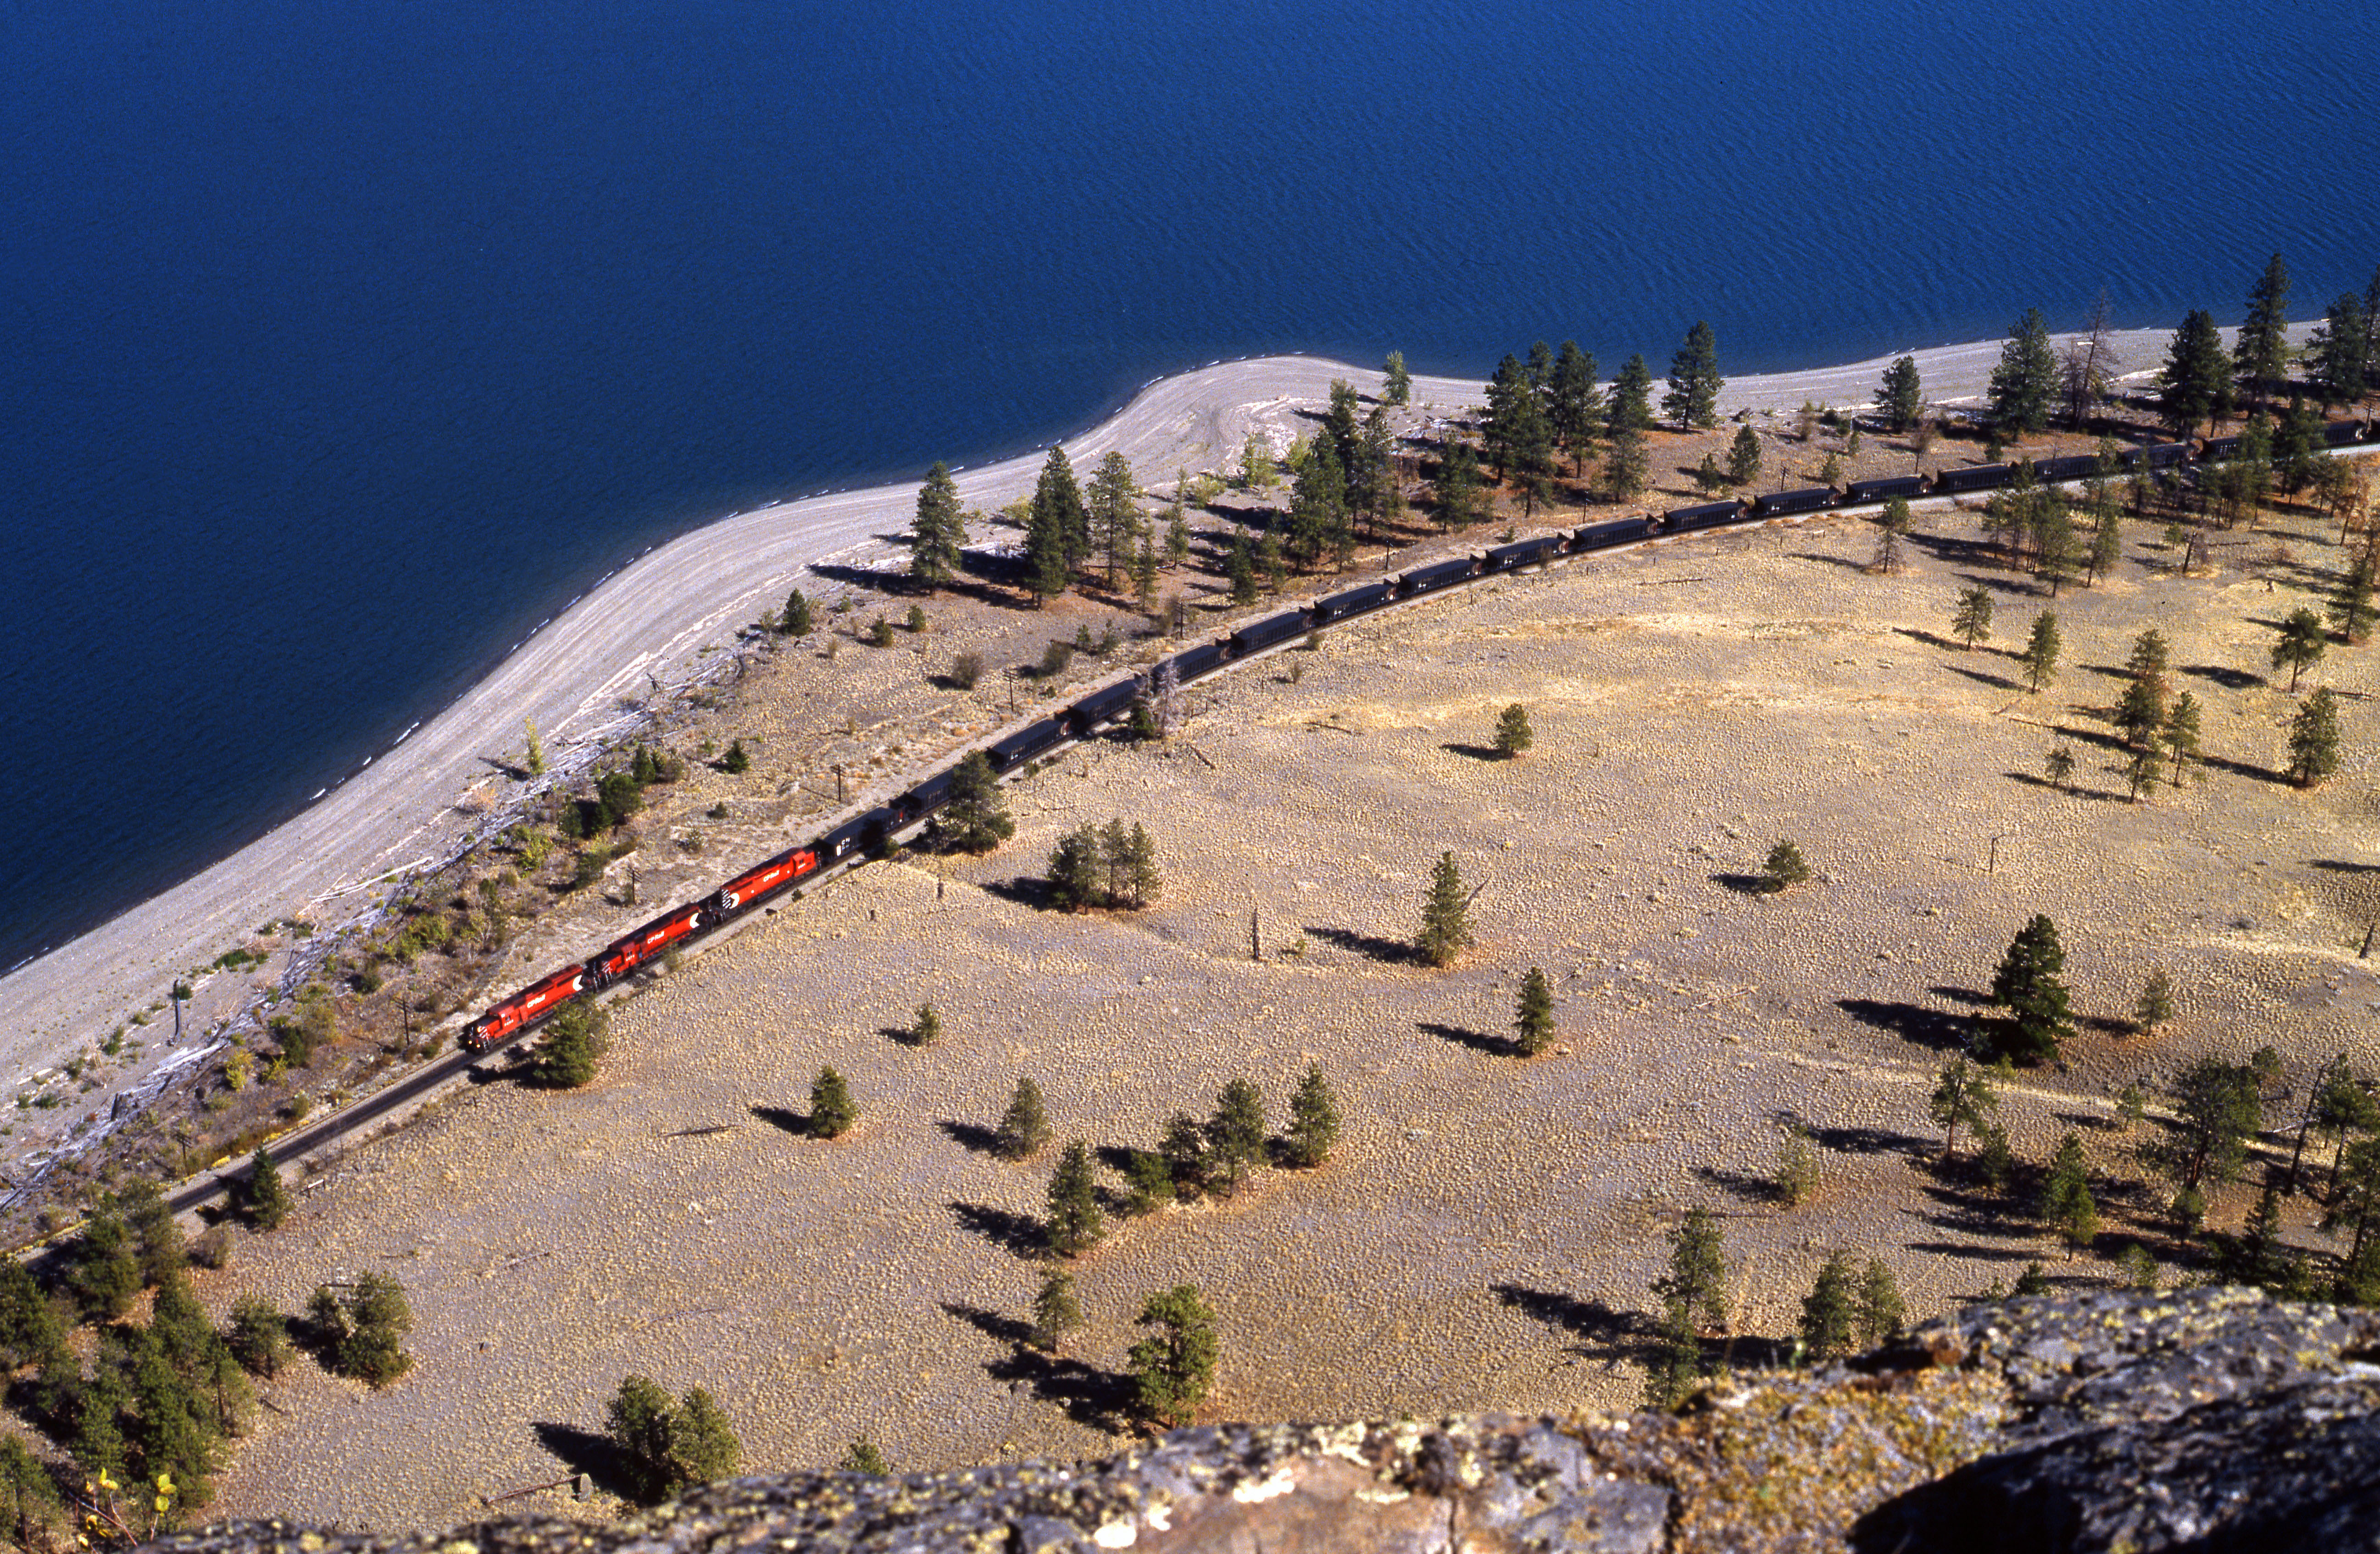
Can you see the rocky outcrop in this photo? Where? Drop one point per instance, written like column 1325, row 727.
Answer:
column 2206, row 1420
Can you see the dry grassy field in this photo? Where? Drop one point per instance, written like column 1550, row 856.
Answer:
column 1485, row 1235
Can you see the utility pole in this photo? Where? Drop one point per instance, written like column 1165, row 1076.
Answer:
column 1256, row 932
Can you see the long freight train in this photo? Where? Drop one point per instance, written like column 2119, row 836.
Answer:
column 509, row 1017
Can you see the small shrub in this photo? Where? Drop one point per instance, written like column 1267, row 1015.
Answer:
column 1797, row 1166
column 880, row 634
column 833, row 1111
column 1055, row 658
column 916, row 621
column 965, row 670
column 1785, row 868
column 735, row 762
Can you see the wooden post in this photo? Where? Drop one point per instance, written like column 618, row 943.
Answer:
column 1256, row 932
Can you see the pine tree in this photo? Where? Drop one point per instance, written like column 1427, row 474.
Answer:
column 2339, row 352
column 832, row 1108
column 1396, row 384
column 2300, row 644
column 1142, row 879
column 1445, row 916
column 1173, row 1369
column 105, row 1275
column 1144, row 570
column 1696, row 1279
column 2195, row 385
column 1114, row 512
column 737, row 762
column 1899, row 399
column 2216, row 1110
column 2155, row 1006
column 1240, row 566
column 574, row 1043
column 2024, row 385
column 862, row 1456
column 1509, row 392
column 2313, row 740
column 1797, row 1166
column 1631, row 399
column 2260, row 357
column 935, row 535
column 1971, row 616
column 2027, row 986
column 259, row 1335
column 796, row 619
column 1629, row 467
column 2351, row 607
column 2107, row 540
column 2180, row 735
column 264, row 1200
column 1573, row 403
column 377, row 1317
column 2040, row 655
column 1880, row 1310
column 1457, row 487
column 1694, row 383
column 2067, row 1206
column 1534, row 1021
column 1056, row 1312
column 30, row 1329
column 1314, row 1121
column 1183, row 1147
column 1075, row 1224
column 2059, row 765
column 1831, row 1311
column 535, row 760
column 1077, row 879
column 1235, row 1135
column 1962, row 1098
column 1784, row 868
column 1677, row 1365
column 1513, row 732
column 1743, row 457
column 1025, row 1126
column 977, row 818
column 926, row 1028
column 638, row 1420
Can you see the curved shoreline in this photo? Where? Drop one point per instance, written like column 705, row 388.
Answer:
column 646, row 629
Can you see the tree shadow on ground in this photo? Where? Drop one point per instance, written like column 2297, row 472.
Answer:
column 1019, row 1233
column 1969, row 996
column 970, row 1136
column 1968, row 1251
column 2337, row 865
column 2229, row 678
column 2002, row 582
column 1997, row 682
column 2030, row 780
column 1478, row 1041
column 1974, row 1212
column 1870, row 1141
column 1751, row 1189
column 1911, row 1021
column 1100, row 1400
column 2246, row 768
column 1844, row 562
column 594, row 1455
column 1023, row 891
column 1477, row 752
column 1930, row 638
column 998, row 1326
column 794, row 1122
column 1742, row 884
column 517, row 773
column 1602, row 1333
column 1387, row 951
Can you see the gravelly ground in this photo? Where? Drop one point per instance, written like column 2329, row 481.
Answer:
column 1489, row 1223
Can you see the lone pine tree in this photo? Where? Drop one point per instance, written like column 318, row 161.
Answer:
column 2040, row 655
column 1971, row 616
column 575, row 1039
column 1025, row 1126
column 1533, row 1022
column 2313, row 740
column 2023, row 388
column 2027, row 986
column 1962, row 1098
column 832, row 1108
column 1784, row 868
column 2300, row 644
column 1513, row 732
column 936, row 533
column 1743, row 457
column 264, row 1200
column 1696, row 1281
column 2067, row 1206
column 1898, row 398
column 1831, row 1311
column 1445, row 916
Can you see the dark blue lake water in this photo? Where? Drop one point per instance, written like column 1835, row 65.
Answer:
column 342, row 342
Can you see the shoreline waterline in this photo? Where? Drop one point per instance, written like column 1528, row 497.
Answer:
column 650, row 623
